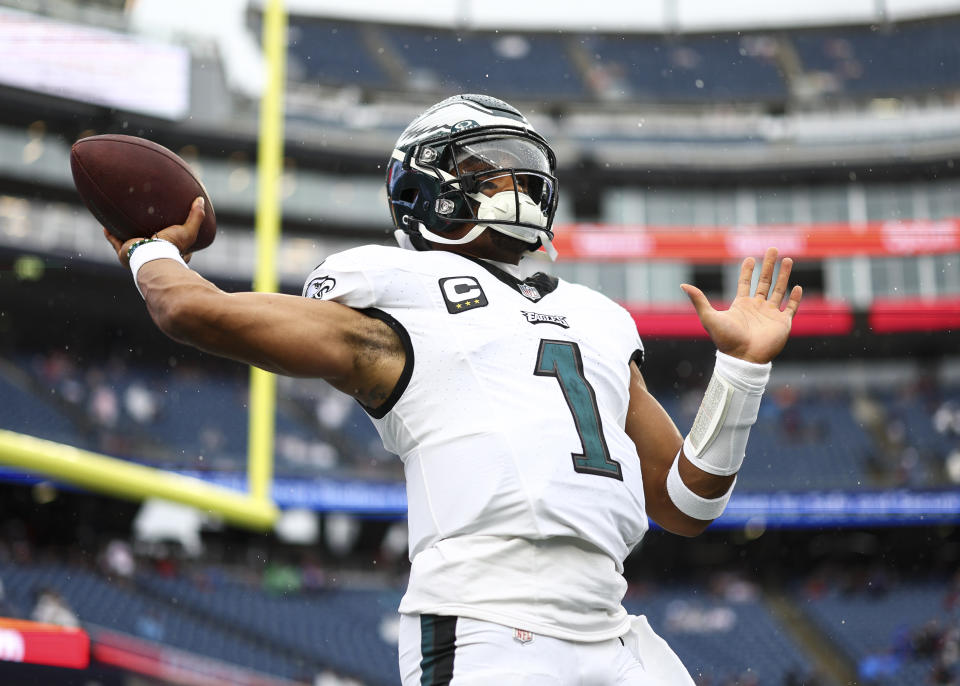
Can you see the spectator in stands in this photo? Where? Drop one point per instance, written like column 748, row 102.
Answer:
column 946, row 418
column 507, row 542
column 282, row 579
column 797, row 677
column 52, row 608
column 928, row 639
column 103, row 406
column 118, row 561
column 945, row 668
column 139, row 402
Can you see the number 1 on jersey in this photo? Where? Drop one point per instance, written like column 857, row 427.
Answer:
column 562, row 360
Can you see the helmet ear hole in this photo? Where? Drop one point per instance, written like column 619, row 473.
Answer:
column 408, row 195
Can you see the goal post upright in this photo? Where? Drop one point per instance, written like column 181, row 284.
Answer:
column 263, row 385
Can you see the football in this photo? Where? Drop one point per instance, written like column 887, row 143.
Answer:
column 135, row 187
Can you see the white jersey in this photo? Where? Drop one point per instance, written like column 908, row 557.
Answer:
column 524, row 491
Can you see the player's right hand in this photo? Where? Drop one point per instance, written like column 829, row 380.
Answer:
column 754, row 328
column 181, row 235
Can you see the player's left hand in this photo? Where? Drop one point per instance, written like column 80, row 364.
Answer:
column 754, row 329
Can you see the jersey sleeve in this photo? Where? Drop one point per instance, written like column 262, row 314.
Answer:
column 632, row 337
column 344, row 278
column 638, row 354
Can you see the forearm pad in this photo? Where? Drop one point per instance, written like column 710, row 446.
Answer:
column 717, row 440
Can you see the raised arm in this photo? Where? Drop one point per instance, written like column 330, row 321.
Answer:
column 290, row 335
column 749, row 335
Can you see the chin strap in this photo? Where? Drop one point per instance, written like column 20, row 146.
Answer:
column 548, row 246
column 403, row 240
column 436, row 238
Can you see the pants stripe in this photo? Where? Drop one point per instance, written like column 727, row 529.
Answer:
column 438, row 636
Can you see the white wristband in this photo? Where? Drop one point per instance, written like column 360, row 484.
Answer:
column 154, row 249
column 691, row 504
column 717, row 440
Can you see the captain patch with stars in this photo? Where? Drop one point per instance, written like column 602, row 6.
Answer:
column 462, row 293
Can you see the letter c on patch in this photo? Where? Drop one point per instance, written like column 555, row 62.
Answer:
column 462, row 293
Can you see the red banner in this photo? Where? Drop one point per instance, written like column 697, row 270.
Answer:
column 43, row 644
column 596, row 242
column 815, row 318
column 897, row 316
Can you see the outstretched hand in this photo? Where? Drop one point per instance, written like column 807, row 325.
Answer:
column 181, row 235
column 754, row 329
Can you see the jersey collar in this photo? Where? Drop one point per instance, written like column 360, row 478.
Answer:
column 511, row 269
column 534, row 288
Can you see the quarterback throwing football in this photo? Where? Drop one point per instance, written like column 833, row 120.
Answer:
column 533, row 452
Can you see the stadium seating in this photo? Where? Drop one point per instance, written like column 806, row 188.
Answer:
column 352, row 631
column 810, row 440
column 726, row 67
column 508, row 65
column 343, row 629
column 866, row 61
column 332, row 53
column 197, row 420
column 699, row 629
column 908, row 59
column 25, row 412
column 876, row 628
column 812, row 444
column 99, row 603
column 891, row 629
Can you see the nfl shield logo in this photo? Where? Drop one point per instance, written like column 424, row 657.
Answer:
column 529, row 292
column 522, row 635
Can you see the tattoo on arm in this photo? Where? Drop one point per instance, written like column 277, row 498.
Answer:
column 377, row 350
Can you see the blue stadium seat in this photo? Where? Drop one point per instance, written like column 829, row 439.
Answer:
column 700, row 629
column 727, row 67
column 530, row 66
column 341, row 628
column 332, row 53
column 25, row 412
column 868, row 625
column 906, row 59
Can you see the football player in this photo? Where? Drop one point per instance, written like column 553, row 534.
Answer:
column 533, row 452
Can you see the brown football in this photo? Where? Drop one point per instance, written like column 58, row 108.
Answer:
column 135, row 187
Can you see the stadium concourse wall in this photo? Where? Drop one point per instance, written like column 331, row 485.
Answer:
column 60, row 230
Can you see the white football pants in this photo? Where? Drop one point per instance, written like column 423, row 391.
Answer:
column 456, row 651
